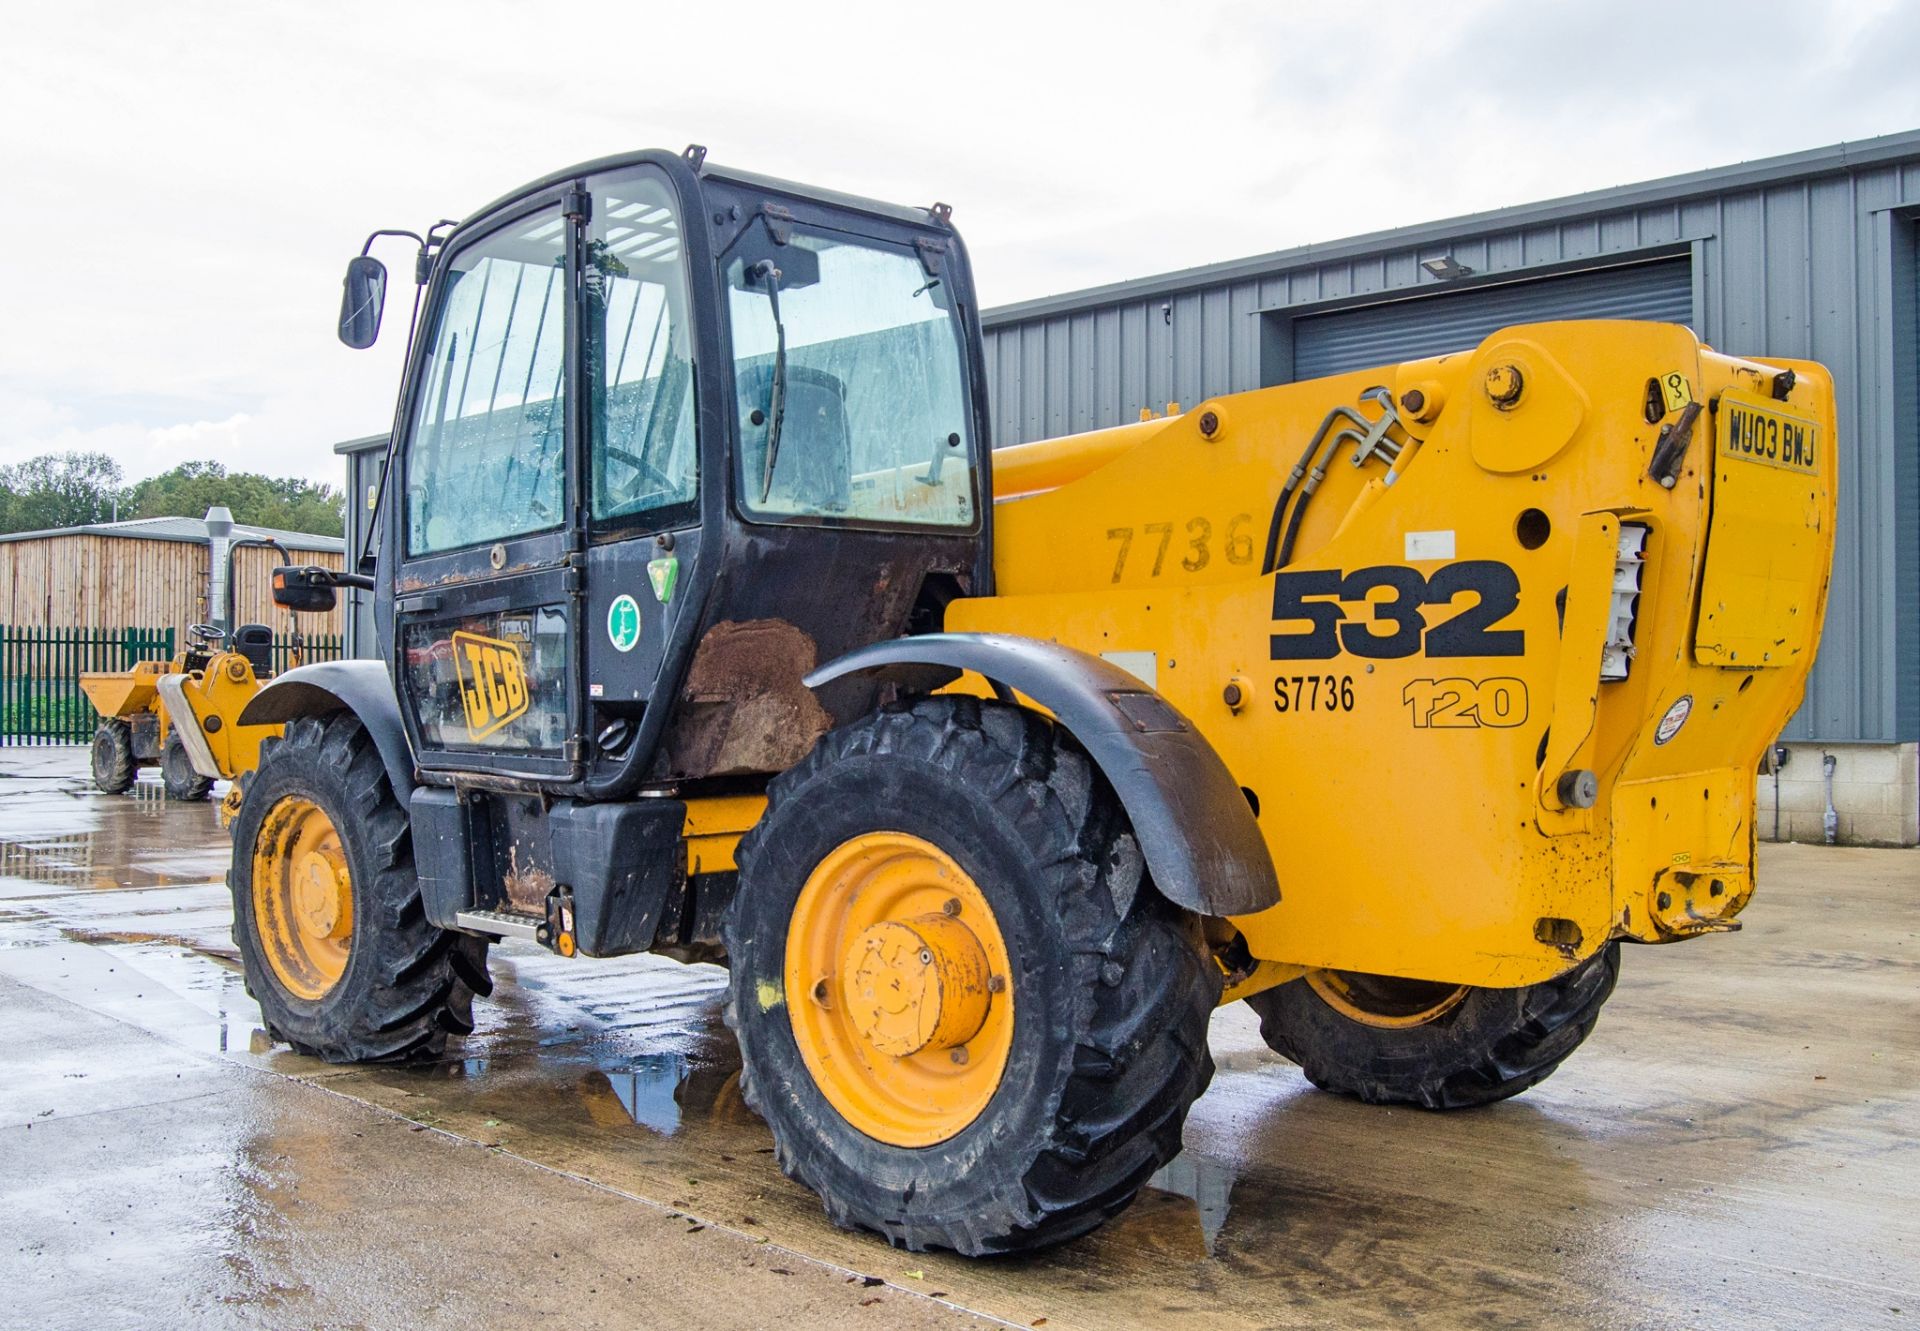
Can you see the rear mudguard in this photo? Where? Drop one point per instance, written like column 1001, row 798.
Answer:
column 1196, row 829
column 360, row 687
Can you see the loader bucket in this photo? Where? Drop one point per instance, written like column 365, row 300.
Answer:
column 120, row 693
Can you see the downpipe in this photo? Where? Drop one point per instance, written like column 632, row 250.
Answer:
column 1832, row 819
column 1780, row 756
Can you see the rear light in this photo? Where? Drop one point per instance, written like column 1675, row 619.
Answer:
column 1616, row 659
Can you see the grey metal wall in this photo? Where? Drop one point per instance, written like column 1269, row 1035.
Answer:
column 1810, row 256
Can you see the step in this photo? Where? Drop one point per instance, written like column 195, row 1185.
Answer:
column 506, row 924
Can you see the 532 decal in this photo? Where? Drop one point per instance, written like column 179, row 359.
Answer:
column 1388, row 629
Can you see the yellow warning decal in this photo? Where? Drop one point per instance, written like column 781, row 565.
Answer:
column 493, row 682
column 1676, row 390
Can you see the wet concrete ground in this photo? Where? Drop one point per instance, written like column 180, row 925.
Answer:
column 1738, row 1145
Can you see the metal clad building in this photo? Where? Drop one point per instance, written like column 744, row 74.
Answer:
column 366, row 459
column 1810, row 255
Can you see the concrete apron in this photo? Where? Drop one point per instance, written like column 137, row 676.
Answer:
column 1733, row 1146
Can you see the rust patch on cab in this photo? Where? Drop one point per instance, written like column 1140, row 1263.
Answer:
column 744, row 708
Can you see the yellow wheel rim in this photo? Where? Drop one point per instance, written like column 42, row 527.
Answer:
column 899, row 988
column 302, row 897
column 1384, row 1000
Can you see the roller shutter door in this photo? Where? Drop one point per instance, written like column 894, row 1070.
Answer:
column 1431, row 325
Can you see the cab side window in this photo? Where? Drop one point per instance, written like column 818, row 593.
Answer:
column 639, row 360
column 852, row 399
column 488, row 454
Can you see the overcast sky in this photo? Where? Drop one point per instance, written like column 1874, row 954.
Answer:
column 184, row 182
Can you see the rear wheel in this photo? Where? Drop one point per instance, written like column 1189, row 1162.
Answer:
column 1440, row 1046
column 113, row 765
column 177, row 772
column 968, row 1019
column 327, row 915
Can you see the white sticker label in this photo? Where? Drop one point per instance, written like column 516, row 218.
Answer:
column 1429, row 545
column 1675, row 718
column 1143, row 666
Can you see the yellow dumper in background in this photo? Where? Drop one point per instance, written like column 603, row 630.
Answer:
column 183, row 715
column 180, row 715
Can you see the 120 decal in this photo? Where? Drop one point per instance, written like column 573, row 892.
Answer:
column 1465, row 704
column 1392, row 629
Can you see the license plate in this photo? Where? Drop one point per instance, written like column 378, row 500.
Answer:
column 1766, row 435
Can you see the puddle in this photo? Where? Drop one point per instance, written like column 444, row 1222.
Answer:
column 1207, row 1183
column 648, row 1090
column 81, row 839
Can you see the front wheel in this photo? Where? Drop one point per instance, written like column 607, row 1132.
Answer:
column 1390, row 1041
column 334, row 940
column 113, row 766
column 177, row 773
column 968, row 1019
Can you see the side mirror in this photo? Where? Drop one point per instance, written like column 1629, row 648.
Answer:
column 362, row 299
column 304, row 587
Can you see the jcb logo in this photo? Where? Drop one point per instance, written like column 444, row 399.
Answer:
column 493, row 682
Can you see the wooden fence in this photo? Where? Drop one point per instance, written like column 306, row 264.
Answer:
column 90, row 581
column 40, row 669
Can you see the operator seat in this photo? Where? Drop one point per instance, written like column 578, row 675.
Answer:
column 813, row 473
column 255, row 642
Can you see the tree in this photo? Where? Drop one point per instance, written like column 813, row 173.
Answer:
column 68, row 489
column 58, row 490
column 191, row 488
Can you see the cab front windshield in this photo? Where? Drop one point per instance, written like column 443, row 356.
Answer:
column 850, row 384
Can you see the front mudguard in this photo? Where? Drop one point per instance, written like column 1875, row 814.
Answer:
column 361, row 687
column 1195, row 827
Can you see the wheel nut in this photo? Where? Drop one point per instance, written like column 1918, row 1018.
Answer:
column 1111, row 974
column 996, row 984
column 1209, row 424
column 952, row 906
column 959, row 1055
column 1664, row 901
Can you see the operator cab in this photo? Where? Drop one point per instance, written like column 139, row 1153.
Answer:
column 670, row 437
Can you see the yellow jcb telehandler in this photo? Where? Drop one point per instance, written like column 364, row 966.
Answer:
column 1394, row 703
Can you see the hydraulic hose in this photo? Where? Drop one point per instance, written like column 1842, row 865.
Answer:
column 1277, row 553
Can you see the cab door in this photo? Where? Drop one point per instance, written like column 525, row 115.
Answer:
column 642, row 478
column 483, row 639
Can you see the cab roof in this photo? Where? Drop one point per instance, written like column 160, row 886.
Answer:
column 696, row 159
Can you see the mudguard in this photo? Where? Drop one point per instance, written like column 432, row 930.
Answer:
column 1196, row 830
column 186, row 724
column 360, row 687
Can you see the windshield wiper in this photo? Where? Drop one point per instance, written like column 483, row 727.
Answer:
column 769, row 276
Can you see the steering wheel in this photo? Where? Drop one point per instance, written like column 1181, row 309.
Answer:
column 656, row 481
column 206, row 635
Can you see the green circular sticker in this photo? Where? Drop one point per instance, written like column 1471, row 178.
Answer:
column 623, row 623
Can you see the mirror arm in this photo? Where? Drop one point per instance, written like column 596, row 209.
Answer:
column 422, row 273
column 413, row 236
